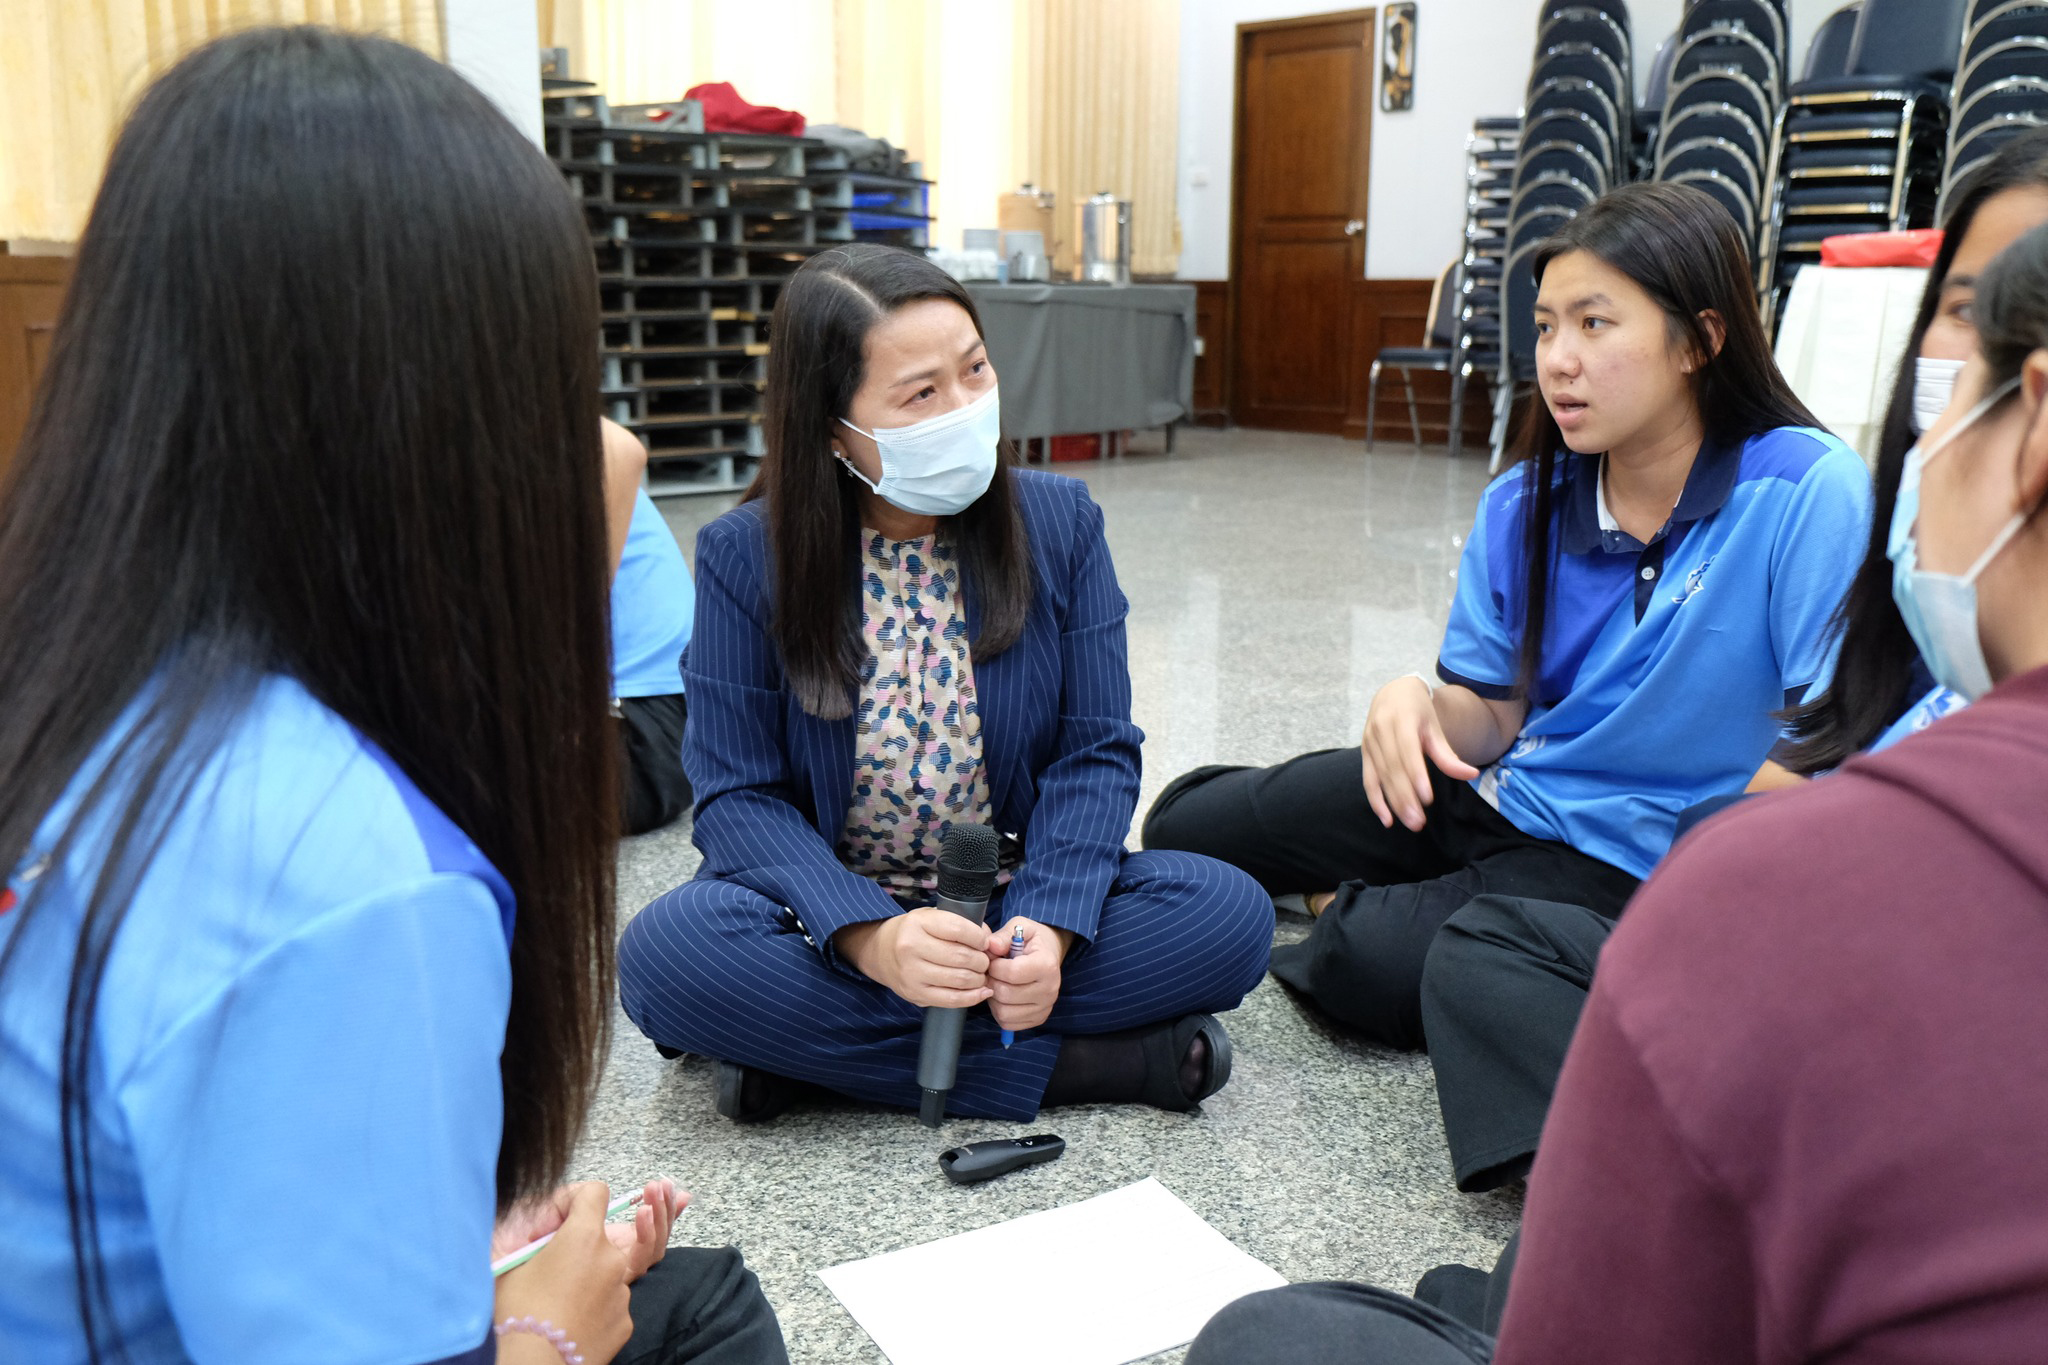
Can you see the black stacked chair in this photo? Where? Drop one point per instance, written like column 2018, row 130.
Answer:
column 1490, row 159
column 1650, row 109
column 1576, row 143
column 1827, row 53
column 1727, row 85
column 2001, row 86
column 1438, row 354
column 1747, row 35
column 1862, row 151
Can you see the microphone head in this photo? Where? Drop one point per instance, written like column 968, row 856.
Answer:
column 967, row 862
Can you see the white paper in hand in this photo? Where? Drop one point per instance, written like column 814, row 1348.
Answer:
column 1111, row 1279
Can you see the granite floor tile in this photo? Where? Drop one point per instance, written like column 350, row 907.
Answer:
column 1275, row 582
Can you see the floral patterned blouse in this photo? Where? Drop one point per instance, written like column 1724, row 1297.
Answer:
column 917, row 746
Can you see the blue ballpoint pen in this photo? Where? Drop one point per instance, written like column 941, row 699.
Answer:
column 1016, row 942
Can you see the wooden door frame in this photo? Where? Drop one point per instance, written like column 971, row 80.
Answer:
column 1245, row 33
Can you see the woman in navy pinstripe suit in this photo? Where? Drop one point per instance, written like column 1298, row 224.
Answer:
column 897, row 631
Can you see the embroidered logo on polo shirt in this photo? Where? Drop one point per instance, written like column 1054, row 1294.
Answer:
column 1694, row 581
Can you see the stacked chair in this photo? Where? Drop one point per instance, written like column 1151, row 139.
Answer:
column 1726, row 86
column 1862, row 151
column 1576, row 143
column 1650, row 110
column 2001, row 86
column 1490, row 180
column 1827, row 53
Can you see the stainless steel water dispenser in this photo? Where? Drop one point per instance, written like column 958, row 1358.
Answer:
column 1103, row 230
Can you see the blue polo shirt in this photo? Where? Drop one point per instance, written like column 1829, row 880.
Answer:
column 294, row 1082
column 654, row 605
column 1662, row 663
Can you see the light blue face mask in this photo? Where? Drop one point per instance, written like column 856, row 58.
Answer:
column 937, row 467
column 1940, row 609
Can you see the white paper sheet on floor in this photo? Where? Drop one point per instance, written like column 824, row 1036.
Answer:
column 1108, row 1280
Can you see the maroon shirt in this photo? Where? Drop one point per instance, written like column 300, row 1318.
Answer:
column 1805, row 1116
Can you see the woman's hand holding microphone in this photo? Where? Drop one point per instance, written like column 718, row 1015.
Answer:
column 933, row 957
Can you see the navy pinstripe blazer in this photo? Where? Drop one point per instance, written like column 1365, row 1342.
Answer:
column 773, row 783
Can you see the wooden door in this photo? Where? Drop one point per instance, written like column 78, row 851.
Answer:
column 31, row 288
column 1298, row 214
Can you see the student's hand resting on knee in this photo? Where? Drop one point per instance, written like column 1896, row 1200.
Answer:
column 927, row 956
column 1026, row 986
column 577, row 1282
column 1402, row 729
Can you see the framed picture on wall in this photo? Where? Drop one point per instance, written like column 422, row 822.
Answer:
column 1397, row 57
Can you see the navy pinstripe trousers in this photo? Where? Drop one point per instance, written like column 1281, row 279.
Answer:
column 716, row 968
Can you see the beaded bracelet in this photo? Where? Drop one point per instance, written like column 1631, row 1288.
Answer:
column 547, row 1331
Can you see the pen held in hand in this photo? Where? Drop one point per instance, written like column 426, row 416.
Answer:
column 1016, row 942
column 514, row 1259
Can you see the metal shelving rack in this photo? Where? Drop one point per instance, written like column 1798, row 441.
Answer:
column 694, row 234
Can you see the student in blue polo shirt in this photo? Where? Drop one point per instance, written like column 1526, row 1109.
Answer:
column 654, row 605
column 1640, row 595
column 1507, row 978
column 307, row 791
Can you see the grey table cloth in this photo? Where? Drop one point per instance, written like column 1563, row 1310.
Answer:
column 1075, row 358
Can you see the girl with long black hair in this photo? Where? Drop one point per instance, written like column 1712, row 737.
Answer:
column 898, row 632
column 308, row 791
column 1639, row 596
column 1879, row 682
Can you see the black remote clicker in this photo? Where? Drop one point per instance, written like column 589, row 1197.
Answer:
column 979, row 1161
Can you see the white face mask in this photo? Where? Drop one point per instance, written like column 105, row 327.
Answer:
column 937, row 467
column 1940, row 609
column 1933, row 382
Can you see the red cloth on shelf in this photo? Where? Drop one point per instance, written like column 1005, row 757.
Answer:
column 1918, row 247
column 726, row 112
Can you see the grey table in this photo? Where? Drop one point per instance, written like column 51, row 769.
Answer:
column 1076, row 358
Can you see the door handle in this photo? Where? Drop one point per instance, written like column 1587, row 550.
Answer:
column 1354, row 227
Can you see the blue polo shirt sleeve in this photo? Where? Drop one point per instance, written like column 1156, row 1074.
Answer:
column 318, row 1139
column 1810, row 571
column 1478, row 650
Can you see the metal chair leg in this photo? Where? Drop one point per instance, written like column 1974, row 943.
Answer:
column 1414, row 421
column 1372, row 401
column 1503, row 405
column 1457, row 431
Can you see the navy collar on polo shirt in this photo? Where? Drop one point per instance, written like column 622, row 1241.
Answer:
column 1580, row 522
column 1707, row 486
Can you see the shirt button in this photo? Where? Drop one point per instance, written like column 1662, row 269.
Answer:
column 1648, row 573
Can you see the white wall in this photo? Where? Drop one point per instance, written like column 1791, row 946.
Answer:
column 1472, row 59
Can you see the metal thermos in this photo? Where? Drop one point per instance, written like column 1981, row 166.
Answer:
column 1103, row 230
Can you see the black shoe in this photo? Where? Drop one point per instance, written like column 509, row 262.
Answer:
column 1166, row 1048
column 668, row 1054
column 749, row 1095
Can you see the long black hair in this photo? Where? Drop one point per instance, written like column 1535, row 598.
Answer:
column 815, row 367
column 1874, row 665
column 1683, row 249
column 323, row 402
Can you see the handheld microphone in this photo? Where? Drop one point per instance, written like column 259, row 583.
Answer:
column 967, row 876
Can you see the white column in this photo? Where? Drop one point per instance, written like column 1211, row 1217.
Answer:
column 496, row 44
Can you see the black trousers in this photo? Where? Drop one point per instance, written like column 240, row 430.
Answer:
column 1452, row 1320
column 651, row 739
column 702, row 1304
column 1305, row 826
column 1502, row 991
column 1337, row 1323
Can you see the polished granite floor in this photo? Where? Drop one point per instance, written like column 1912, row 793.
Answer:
column 1275, row 582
